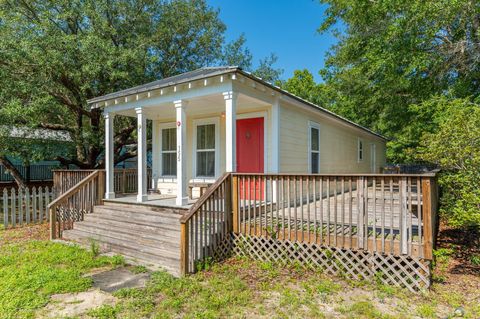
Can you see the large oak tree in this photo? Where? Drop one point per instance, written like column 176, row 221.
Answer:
column 56, row 54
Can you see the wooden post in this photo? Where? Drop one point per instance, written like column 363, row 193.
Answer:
column 427, row 218
column 403, row 216
column 184, row 248
column 100, row 186
column 53, row 221
column 234, row 201
column 361, row 212
column 124, row 181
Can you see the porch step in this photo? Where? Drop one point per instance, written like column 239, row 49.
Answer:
column 130, row 252
column 166, row 220
column 148, row 236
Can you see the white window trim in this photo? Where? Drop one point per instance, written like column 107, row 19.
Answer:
column 161, row 127
column 316, row 126
column 263, row 114
column 360, row 141
column 206, row 121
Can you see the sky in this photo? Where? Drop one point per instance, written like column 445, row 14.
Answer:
column 287, row 28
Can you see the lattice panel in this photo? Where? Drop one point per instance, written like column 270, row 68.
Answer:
column 66, row 216
column 402, row 271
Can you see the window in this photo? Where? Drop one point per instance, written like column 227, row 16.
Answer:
column 314, row 159
column 205, row 149
column 360, row 150
column 169, row 153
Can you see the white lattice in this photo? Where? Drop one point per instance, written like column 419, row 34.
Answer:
column 402, row 271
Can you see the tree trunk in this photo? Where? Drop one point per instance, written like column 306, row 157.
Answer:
column 13, row 171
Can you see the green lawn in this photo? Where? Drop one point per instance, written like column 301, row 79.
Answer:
column 32, row 269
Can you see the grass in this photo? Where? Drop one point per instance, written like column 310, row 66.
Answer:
column 32, row 270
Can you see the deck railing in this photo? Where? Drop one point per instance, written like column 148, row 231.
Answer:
column 125, row 180
column 205, row 229
column 75, row 202
column 382, row 214
column 387, row 214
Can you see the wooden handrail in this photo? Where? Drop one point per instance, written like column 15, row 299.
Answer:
column 203, row 198
column 206, row 225
column 93, row 182
column 336, row 175
column 74, row 189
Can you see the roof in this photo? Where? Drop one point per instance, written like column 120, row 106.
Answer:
column 207, row 72
column 198, row 74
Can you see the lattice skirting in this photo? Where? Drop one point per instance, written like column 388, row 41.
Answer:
column 403, row 271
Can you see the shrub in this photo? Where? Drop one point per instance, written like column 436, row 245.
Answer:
column 455, row 147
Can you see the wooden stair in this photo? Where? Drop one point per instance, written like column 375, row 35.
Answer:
column 143, row 235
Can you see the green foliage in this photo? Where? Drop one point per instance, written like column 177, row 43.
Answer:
column 57, row 54
column 104, row 312
column 426, row 311
column 362, row 309
column 455, row 147
column 393, row 54
column 303, row 85
column 30, row 272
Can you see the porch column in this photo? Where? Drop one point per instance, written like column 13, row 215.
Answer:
column 141, row 154
column 109, row 156
column 182, row 196
column 231, row 130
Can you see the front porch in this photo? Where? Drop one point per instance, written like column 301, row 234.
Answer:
column 194, row 135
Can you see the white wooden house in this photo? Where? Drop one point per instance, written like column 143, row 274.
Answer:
column 293, row 183
column 223, row 119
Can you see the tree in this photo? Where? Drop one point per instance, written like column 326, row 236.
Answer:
column 455, row 147
column 302, row 84
column 56, row 54
column 393, row 54
column 236, row 53
column 266, row 71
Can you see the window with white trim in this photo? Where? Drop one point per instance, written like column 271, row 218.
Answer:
column 205, row 150
column 169, row 152
column 360, row 150
column 314, row 145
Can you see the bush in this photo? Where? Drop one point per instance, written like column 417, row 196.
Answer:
column 455, row 147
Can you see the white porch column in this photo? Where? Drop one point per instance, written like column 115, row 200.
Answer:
column 275, row 150
column 231, row 130
column 182, row 196
column 109, row 156
column 141, row 154
column 155, row 155
column 275, row 157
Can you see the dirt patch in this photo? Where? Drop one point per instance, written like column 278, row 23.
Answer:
column 26, row 233
column 119, row 278
column 76, row 304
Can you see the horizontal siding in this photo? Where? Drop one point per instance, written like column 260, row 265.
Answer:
column 338, row 144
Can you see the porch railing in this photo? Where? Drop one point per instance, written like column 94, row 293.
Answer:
column 205, row 229
column 383, row 214
column 125, row 180
column 75, row 202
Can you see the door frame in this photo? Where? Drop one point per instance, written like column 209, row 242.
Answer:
column 250, row 115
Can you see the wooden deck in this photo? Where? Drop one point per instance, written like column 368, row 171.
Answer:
column 380, row 227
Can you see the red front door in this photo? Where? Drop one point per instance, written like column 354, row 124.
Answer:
column 250, row 146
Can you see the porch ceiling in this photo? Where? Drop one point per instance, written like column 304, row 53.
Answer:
column 205, row 105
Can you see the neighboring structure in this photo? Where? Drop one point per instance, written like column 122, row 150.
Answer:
column 38, row 170
column 223, row 119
